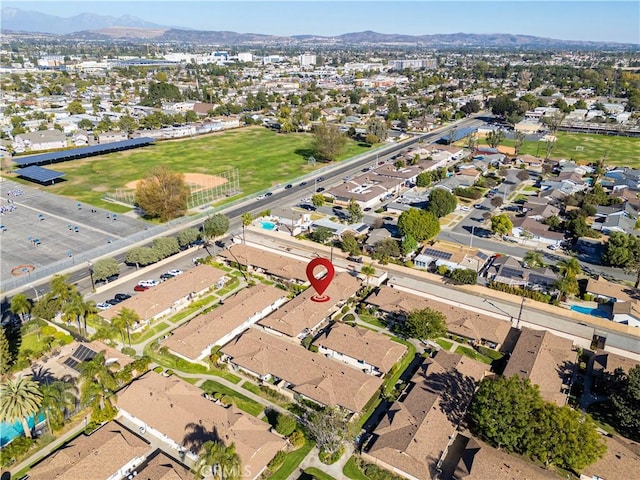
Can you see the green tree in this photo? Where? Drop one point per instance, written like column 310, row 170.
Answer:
column 349, row 244
column 187, row 236
column 142, row 256
column 166, row 246
column 501, row 224
column 215, row 226
column 75, row 108
column 163, row 194
column 97, row 384
column 553, row 222
column 377, row 126
column 321, row 234
column 61, row 289
column 408, row 245
column 59, row 399
column 285, row 424
column 247, row 219
column 318, row 200
column 464, row 276
column 6, row 358
column 125, row 319
column 19, row 400
column 368, row 271
column 424, row 179
column 355, row 211
column 386, row 249
column 569, row 267
column 85, row 124
column 625, row 398
column 423, row 324
column 419, row 224
column 223, row 461
column 441, row 202
column 20, row 305
column 329, row 142
column 105, row 268
column 128, row 124
column 329, row 427
column 518, row 137
column 494, row 138
column 534, row 259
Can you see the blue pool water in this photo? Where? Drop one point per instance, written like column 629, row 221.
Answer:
column 595, row 312
column 268, row 225
column 10, row 431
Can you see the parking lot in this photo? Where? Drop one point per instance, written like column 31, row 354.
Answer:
column 42, row 229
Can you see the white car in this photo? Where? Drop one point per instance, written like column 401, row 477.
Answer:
column 464, row 208
column 148, row 283
column 261, row 197
column 553, row 247
column 175, row 272
column 103, row 306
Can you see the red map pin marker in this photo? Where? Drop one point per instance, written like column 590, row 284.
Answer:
column 320, row 284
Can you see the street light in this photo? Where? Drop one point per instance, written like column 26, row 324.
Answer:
column 37, row 295
column 93, row 285
column 473, row 227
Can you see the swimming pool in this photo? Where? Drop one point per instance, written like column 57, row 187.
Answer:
column 9, row 431
column 268, row 225
column 594, row 312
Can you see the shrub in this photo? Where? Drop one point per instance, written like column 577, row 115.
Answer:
column 532, row 294
column 329, row 459
column 16, row 449
column 297, row 439
column 277, row 460
column 443, row 270
column 464, row 276
column 129, row 351
column 349, row 318
column 285, row 425
column 588, row 297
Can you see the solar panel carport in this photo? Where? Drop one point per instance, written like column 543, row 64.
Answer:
column 83, row 152
column 39, row 174
column 457, row 134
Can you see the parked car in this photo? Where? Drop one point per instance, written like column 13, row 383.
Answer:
column 103, row 306
column 268, row 194
column 148, row 283
column 113, row 301
column 122, row 296
column 166, row 276
column 175, row 272
column 320, row 189
column 302, row 184
column 141, row 288
column 288, row 186
column 352, row 258
column 464, row 208
column 553, row 247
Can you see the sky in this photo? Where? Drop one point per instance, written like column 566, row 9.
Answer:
column 612, row 21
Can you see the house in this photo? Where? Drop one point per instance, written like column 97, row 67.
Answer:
column 607, row 362
column 281, row 267
column 367, row 190
column 450, row 256
column 178, row 416
column 530, row 162
column 621, row 459
column 339, row 229
column 529, row 229
column 616, row 222
column 376, row 235
column 568, row 183
column 602, row 289
column 413, row 436
column 361, row 348
column 302, row 316
column 78, row 352
column 508, row 270
column 456, row 181
column 476, row 327
column 112, row 451
column 540, row 211
column 171, row 295
column 110, row 137
column 546, row 360
column 40, row 140
column 194, row 340
column 296, row 369
column 627, row 313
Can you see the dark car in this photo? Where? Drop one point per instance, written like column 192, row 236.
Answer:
column 311, row 208
column 121, row 296
column 302, row 184
column 288, row 186
column 140, row 288
column 268, row 194
column 166, row 276
column 113, row 301
column 320, row 189
column 320, row 179
column 351, row 258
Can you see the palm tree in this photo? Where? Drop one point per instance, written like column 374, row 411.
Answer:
column 223, row 460
column 20, row 305
column 59, row 399
column 19, row 400
column 569, row 268
column 534, row 259
column 247, row 218
column 89, row 309
column 98, row 382
column 73, row 309
column 124, row 321
column 368, row 271
column 60, row 288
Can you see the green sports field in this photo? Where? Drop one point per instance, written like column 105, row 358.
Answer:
column 263, row 158
column 587, row 148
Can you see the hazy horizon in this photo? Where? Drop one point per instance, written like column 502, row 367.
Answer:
column 598, row 21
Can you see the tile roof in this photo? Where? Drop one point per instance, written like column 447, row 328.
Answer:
column 98, row 455
column 545, row 359
column 415, row 431
column 160, row 466
column 374, row 348
column 178, row 409
column 323, row 380
column 274, row 264
column 191, row 339
column 609, row 362
column 302, row 313
column 157, row 299
column 621, row 459
column 602, row 287
column 462, row 322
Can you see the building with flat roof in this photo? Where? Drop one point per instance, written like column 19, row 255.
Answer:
column 294, row 368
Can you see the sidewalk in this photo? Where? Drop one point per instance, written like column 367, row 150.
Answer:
column 312, row 460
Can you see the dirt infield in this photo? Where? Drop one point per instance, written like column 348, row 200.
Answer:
column 197, row 181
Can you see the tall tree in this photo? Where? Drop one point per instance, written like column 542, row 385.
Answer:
column 569, row 267
column 625, row 398
column 6, row 359
column 495, row 137
column 318, row 200
column 424, row 324
column 329, row 142
column 247, row 219
column 419, row 224
column 20, row 305
column 97, row 384
column 368, row 271
column 501, row 224
column 125, row 319
column 223, row 461
column 214, row 226
column 441, row 202
column 329, row 427
column 355, row 211
column 187, row 236
column 534, row 259
column 20, row 399
column 518, row 138
column 164, row 194
column 105, row 268
column 59, row 400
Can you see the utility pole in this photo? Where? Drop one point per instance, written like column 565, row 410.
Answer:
column 520, row 312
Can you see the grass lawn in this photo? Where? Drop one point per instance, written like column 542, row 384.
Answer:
column 445, row 344
column 619, row 150
column 34, row 341
column 372, row 320
column 263, row 157
column 292, row 461
column 471, row 353
column 352, row 471
column 390, row 380
column 318, row 474
column 242, row 402
column 268, row 394
column 138, row 337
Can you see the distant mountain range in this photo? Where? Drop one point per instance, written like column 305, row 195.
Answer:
column 99, row 27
